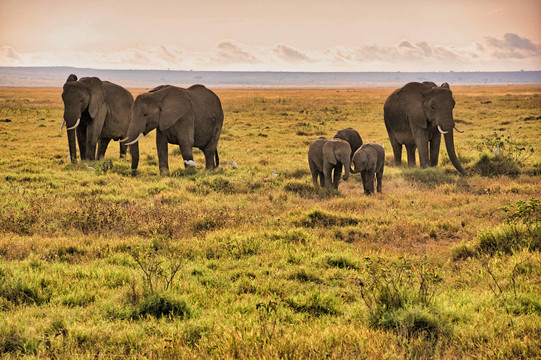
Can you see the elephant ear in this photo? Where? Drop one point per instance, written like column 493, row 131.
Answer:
column 173, row 107
column 418, row 103
column 97, row 96
column 445, row 85
column 330, row 156
column 72, row 77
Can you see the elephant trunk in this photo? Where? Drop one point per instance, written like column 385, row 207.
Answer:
column 347, row 167
column 450, row 145
column 72, row 145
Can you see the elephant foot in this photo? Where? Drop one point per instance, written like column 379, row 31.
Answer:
column 164, row 172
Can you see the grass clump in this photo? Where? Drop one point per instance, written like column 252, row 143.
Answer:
column 318, row 218
column 161, row 305
column 430, row 177
column 495, row 166
column 399, row 294
column 315, row 304
column 521, row 231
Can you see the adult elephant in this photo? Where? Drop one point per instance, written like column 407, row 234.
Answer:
column 415, row 116
column 326, row 159
column 189, row 118
column 351, row 136
column 98, row 111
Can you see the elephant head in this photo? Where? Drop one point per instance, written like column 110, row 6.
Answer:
column 438, row 104
column 337, row 151
column 351, row 136
column 83, row 98
column 361, row 161
column 160, row 108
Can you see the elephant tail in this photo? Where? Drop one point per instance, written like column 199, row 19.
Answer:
column 217, row 158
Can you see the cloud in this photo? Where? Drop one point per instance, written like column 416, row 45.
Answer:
column 291, row 55
column 229, row 52
column 506, row 53
column 512, row 46
column 9, row 56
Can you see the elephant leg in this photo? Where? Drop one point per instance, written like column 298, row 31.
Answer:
column 315, row 175
column 102, row 147
column 397, row 151
column 364, row 177
column 134, row 152
column 92, row 138
column 379, row 178
column 422, row 145
column 410, row 148
column 81, row 139
column 123, row 150
column 370, row 182
column 163, row 155
column 337, row 175
column 327, row 177
column 435, row 149
column 186, row 149
column 209, row 158
column 321, row 179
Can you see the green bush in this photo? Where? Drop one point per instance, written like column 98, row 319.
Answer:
column 160, row 305
column 490, row 166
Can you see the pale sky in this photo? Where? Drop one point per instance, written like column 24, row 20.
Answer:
column 275, row 35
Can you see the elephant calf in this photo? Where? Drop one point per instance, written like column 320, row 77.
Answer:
column 326, row 156
column 369, row 160
column 351, row 136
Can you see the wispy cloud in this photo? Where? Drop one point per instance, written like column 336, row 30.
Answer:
column 510, row 52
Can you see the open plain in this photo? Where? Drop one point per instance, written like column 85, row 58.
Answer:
column 253, row 262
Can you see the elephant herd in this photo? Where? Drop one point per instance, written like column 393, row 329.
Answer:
column 100, row 111
column 96, row 112
column 326, row 157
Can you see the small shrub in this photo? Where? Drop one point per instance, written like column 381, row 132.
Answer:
column 522, row 230
column 495, row 166
column 389, row 286
column 160, row 305
column 415, row 321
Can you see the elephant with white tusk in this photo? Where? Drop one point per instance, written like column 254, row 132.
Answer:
column 369, row 160
column 415, row 116
column 326, row 158
column 98, row 111
column 189, row 118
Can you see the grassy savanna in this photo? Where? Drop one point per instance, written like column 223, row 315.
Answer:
column 254, row 262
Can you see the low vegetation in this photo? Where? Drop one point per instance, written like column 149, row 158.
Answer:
column 252, row 261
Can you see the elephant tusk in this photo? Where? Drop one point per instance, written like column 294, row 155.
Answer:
column 441, row 130
column 136, row 140
column 61, row 127
column 76, row 124
column 125, row 139
column 457, row 129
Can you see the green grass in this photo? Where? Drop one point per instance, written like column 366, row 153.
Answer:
column 255, row 262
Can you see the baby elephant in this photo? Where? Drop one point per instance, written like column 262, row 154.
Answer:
column 326, row 158
column 369, row 161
